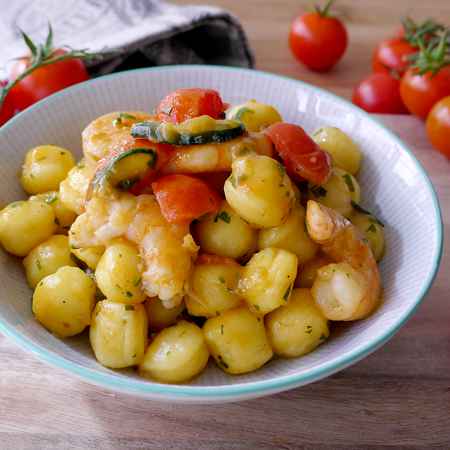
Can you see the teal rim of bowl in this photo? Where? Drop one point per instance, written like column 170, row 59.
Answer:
column 284, row 382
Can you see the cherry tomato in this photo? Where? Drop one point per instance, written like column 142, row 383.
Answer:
column 205, row 258
column 184, row 104
column 318, row 40
column 438, row 126
column 392, row 56
column 6, row 110
column 421, row 92
column 379, row 93
column 303, row 158
column 183, row 198
column 45, row 80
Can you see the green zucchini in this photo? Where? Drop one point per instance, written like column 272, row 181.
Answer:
column 125, row 169
column 201, row 130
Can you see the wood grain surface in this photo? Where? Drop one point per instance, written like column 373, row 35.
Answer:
column 398, row 397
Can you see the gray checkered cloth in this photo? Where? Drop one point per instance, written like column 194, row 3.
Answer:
column 128, row 33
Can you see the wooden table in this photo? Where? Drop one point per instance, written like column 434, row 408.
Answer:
column 398, row 397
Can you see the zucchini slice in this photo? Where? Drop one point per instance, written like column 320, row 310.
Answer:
column 201, row 130
column 125, row 169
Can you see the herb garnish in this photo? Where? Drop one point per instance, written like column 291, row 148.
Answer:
column 241, row 112
column 222, row 215
column 129, row 308
column 360, row 209
column 51, row 198
column 287, row 293
column 349, row 182
column 308, row 329
column 318, row 191
column 122, row 116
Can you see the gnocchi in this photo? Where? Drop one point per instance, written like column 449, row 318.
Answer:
column 63, row 301
column 119, row 273
column 238, row 341
column 177, row 354
column 44, row 168
column 290, row 235
column 225, row 233
column 118, row 334
column 25, row 224
column 47, row 258
column 297, row 327
column 213, row 289
column 260, row 191
column 267, row 279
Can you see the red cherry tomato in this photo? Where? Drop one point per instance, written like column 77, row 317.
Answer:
column 421, row 92
column 6, row 110
column 438, row 126
column 184, row 104
column 45, row 80
column 318, row 40
column 205, row 258
column 379, row 93
column 303, row 158
column 392, row 56
column 183, row 198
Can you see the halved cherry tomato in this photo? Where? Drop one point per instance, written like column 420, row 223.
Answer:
column 206, row 258
column 183, row 198
column 45, row 80
column 303, row 158
column 317, row 39
column 438, row 126
column 391, row 56
column 184, row 104
column 379, row 93
column 421, row 92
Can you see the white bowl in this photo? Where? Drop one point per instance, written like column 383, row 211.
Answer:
column 394, row 186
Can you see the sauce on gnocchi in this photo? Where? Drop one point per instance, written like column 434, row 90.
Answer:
column 206, row 231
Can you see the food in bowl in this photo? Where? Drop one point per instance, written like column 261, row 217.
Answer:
column 201, row 230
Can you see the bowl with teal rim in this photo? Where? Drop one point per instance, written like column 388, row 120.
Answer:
column 394, row 186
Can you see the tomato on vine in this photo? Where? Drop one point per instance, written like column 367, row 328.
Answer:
column 428, row 79
column 318, row 39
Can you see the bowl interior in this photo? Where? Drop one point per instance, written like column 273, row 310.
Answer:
column 394, row 187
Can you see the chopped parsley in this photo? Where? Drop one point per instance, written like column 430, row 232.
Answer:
column 256, row 307
column 222, row 280
column 221, row 329
column 122, row 116
column 222, row 362
column 62, row 153
column 322, row 337
column 232, row 180
column 349, row 182
column 129, row 294
column 127, row 184
column 129, row 308
column 282, row 169
column 51, row 198
column 38, row 264
column 222, row 215
column 360, row 209
column 318, row 191
column 137, row 281
column 287, row 293
column 372, row 228
column 308, row 329
column 56, row 221
column 243, row 151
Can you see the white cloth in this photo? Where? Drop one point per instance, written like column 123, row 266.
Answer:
column 141, row 32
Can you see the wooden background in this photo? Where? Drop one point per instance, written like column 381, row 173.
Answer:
column 398, row 397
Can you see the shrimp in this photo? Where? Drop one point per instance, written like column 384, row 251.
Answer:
column 167, row 250
column 350, row 288
column 216, row 157
column 106, row 133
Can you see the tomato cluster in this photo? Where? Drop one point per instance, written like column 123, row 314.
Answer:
column 43, row 72
column 411, row 74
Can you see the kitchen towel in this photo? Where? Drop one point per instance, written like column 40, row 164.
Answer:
column 128, row 33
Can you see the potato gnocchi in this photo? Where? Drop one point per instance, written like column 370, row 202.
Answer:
column 196, row 232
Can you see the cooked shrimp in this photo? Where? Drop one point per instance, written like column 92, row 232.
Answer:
column 107, row 133
column 350, row 288
column 167, row 250
column 216, row 157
